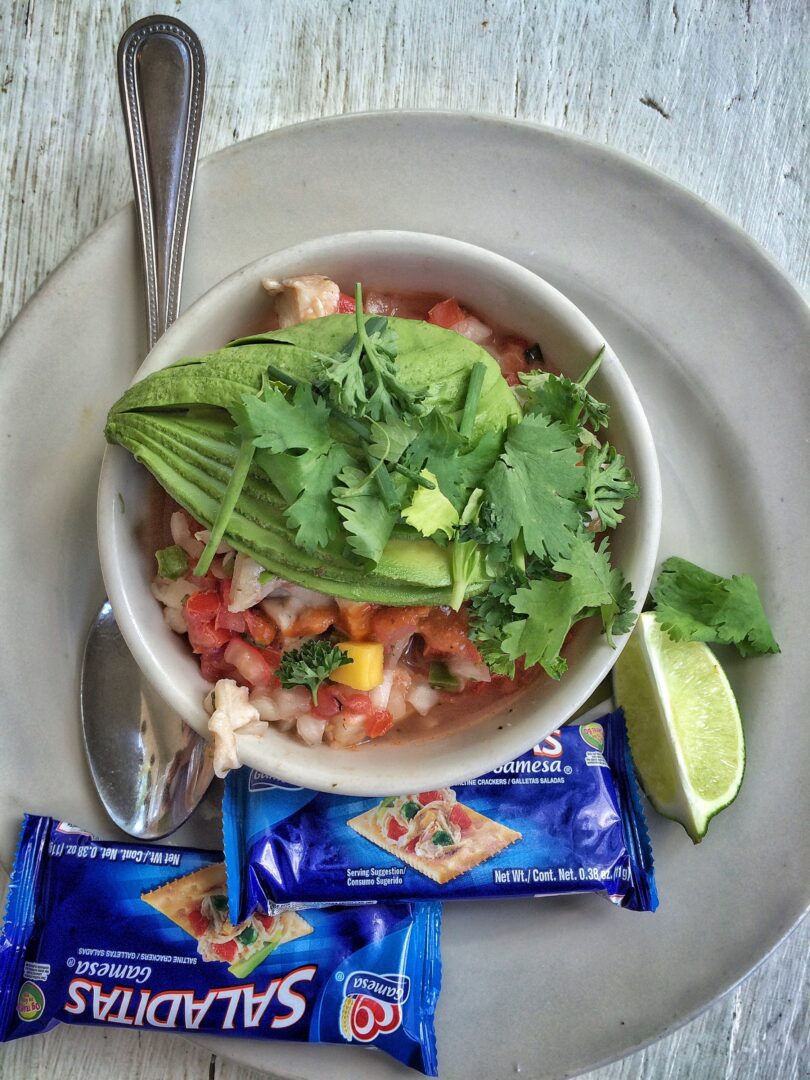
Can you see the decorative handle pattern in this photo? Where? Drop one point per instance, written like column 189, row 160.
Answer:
column 161, row 75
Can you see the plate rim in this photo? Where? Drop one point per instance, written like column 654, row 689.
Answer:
column 732, row 230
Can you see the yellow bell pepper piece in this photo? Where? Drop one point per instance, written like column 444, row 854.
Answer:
column 366, row 669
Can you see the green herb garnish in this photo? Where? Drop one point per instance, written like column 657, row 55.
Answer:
column 310, row 664
column 362, row 379
column 172, row 562
column 442, row 838
column 440, row 677
column 219, row 902
column 410, row 810
column 693, row 604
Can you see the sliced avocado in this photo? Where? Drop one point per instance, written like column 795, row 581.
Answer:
column 174, row 423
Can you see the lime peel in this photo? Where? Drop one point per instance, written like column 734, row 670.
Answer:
column 683, row 723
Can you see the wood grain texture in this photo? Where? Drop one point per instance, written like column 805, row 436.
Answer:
column 714, row 93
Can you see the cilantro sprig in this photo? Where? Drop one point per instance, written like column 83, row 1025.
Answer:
column 693, row 604
column 310, row 664
column 362, row 378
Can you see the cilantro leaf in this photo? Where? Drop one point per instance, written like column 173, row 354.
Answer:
column 589, row 567
column 310, row 664
column 362, row 378
column 429, row 511
column 390, row 440
column 305, row 482
column 490, row 613
column 270, row 421
column 365, row 516
column 533, row 487
column 565, row 400
column 552, row 604
column 607, row 484
column 693, row 604
column 465, row 554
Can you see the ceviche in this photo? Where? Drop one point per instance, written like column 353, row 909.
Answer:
column 380, row 504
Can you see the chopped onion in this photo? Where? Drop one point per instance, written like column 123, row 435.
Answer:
column 464, row 668
column 473, row 328
column 423, row 697
column 311, row 728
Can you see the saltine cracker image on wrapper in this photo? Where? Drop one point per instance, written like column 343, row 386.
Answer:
column 434, row 834
column 198, row 904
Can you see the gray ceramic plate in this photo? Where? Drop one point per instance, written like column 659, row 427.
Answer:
column 716, row 341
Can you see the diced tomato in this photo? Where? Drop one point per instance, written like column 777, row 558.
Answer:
column 226, row 951
column 261, row 629
column 312, row 622
column 355, row 620
column 394, row 830
column 205, row 636
column 328, row 704
column 445, row 634
column 213, row 666
column 512, row 357
column 202, row 607
column 378, row 723
column 446, row 313
column 411, row 847
column 230, row 620
column 346, row 304
column 267, row 921
column 460, row 817
column 353, row 701
column 199, row 923
column 250, row 662
column 429, row 796
column 391, row 624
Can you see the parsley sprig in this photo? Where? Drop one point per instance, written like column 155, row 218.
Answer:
column 310, row 664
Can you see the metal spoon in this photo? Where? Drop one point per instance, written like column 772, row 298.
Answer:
column 149, row 767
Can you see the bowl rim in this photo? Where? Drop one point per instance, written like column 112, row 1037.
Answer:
column 510, row 742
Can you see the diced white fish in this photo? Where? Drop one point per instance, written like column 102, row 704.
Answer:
column 175, row 619
column 298, row 299
column 181, row 535
column 233, row 713
column 173, row 593
column 288, row 601
column 246, row 589
column 204, row 535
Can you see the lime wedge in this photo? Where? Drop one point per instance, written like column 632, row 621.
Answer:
column 684, row 725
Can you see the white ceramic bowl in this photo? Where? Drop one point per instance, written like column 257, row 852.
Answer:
column 515, row 299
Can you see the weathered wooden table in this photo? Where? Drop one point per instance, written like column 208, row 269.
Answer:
column 715, row 93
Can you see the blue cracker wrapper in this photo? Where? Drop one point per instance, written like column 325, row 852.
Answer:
column 80, row 944
column 565, row 817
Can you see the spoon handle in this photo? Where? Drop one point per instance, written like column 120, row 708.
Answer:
column 161, row 75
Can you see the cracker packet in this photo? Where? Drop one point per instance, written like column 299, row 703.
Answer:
column 565, row 817
column 125, row 935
